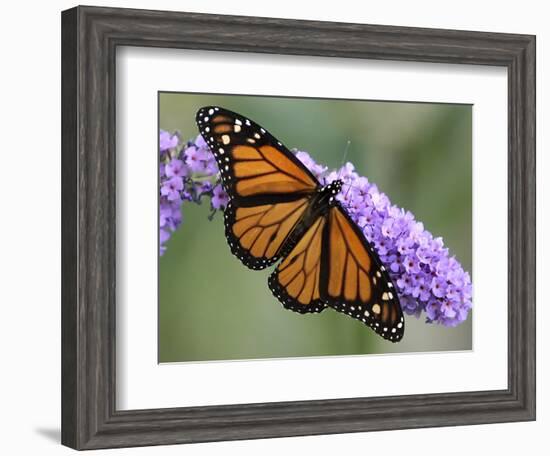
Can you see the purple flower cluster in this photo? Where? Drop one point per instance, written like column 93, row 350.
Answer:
column 187, row 173
column 427, row 278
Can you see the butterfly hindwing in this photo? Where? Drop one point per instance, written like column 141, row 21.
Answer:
column 295, row 282
column 355, row 280
column 257, row 233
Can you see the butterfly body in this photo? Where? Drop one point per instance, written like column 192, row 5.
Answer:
column 278, row 212
column 319, row 205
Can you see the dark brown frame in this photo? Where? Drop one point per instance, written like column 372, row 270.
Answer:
column 89, row 39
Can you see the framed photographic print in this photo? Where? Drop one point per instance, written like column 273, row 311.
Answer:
column 276, row 227
column 190, row 187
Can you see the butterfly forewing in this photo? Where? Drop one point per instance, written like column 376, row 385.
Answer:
column 355, row 281
column 251, row 161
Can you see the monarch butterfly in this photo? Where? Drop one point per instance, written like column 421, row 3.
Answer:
column 278, row 210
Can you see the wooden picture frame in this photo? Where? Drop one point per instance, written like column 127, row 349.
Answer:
column 90, row 37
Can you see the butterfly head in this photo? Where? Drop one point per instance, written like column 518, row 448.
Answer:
column 336, row 186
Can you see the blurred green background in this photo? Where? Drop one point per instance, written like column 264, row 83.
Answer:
column 211, row 307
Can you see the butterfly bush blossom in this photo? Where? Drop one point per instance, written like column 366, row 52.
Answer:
column 188, row 172
column 428, row 279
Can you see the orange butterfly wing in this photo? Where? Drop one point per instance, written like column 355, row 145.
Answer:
column 257, row 234
column 296, row 281
column 333, row 264
column 251, row 161
column 356, row 281
column 268, row 187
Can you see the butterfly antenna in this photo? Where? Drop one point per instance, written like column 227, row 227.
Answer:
column 347, row 193
column 346, row 150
